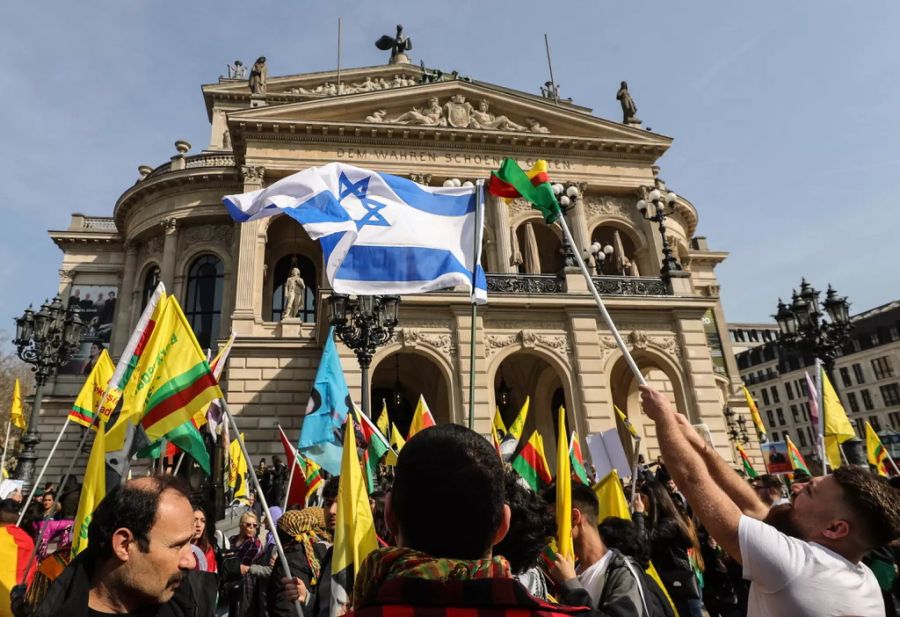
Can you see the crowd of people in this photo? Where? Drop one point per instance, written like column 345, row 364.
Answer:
column 457, row 529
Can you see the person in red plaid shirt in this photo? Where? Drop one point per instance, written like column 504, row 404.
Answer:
column 446, row 511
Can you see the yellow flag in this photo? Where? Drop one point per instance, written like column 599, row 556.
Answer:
column 518, row 426
column 354, row 530
column 612, row 497
column 563, row 491
column 16, row 416
column 624, row 420
column 754, row 413
column 875, row 451
column 422, row 418
column 237, row 470
column 92, row 492
column 498, row 430
column 397, row 441
column 91, row 396
column 836, row 422
column 384, row 422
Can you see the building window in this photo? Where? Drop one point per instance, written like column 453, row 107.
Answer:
column 795, row 414
column 790, row 390
column 771, row 417
column 875, row 422
column 203, row 307
column 765, row 395
column 867, row 400
column 775, row 397
column 151, row 280
column 802, row 435
column 891, row 394
column 875, row 340
column 893, row 334
column 780, row 415
column 851, row 399
column 307, row 313
column 845, row 377
column 805, row 412
column 860, row 427
column 882, row 367
column 801, row 388
column 858, row 373
column 895, row 419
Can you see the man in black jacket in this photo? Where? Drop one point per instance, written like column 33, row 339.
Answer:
column 138, row 560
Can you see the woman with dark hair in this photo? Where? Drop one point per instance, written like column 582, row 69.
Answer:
column 531, row 526
column 377, row 501
column 204, row 544
column 674, row 547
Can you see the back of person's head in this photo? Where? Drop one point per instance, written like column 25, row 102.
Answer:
column 583, row 498
column 132, row 506
column 531, row 525
column 874, row 504
column 448, row 494
column 660, row 504
column 9, row 511
column 622, row 535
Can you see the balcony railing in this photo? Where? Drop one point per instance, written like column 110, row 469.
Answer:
column 553, row 284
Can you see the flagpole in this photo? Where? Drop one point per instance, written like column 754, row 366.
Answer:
column 603, row 312
column 43, row 470
column 636, row 442
column 476, row 250
column 262, row 499
column 820, row 428
column 5, row 448
column 178, row 464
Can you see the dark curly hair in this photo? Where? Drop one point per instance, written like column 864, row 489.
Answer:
column 875, row 503
column 530, row 526
column 623, row 535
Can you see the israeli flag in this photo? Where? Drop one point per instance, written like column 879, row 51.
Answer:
column 380, row 234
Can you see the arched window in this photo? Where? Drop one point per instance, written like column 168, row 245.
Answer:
column 283, row 269
column 623, row 260
column 151, row 280
column 203, row 307
column 538, row 250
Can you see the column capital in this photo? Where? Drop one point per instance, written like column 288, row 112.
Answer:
column 66, row 276
column 170, row 225
column 253, row 174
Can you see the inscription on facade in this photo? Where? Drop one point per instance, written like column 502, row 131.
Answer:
column 428, row 156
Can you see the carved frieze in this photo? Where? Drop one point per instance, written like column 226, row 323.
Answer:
column 457, row 113
column 215, row 234
column 623, row 207
column 253, row 174
column 527, row 339
column 369, row 84
column 442, row 342
column 66, row 276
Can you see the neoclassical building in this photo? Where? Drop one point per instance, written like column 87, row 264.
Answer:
column 539, row 336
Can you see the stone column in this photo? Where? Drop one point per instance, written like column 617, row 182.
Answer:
column 500, row 218
column 247, row 270
column 170, row 252
column 578, row 221
column 123, row 305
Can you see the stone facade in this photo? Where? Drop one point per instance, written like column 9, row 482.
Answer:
column 540, row 335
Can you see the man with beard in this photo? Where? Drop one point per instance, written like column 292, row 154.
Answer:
column 803, row 557
column 138, row 560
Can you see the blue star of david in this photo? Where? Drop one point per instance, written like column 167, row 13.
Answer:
column 359, row 189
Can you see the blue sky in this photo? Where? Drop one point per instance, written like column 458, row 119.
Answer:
column 784, row 114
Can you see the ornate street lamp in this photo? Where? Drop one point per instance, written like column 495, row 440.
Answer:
column 737, row 429
column 566, row 195
column 502, row 393
column 47, row 340
column 364, row 324
column 804, row 329
column 803, row 326
column 397, row 395
column 654, row 208
column 601, row 253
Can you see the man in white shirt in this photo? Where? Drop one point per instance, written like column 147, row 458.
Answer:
column 803, row 557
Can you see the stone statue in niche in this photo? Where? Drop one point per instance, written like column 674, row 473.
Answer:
column 294, row 290
column 259, row 74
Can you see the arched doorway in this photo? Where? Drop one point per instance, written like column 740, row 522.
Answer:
column 527, row 374
column 660, row 375
column 409, row 374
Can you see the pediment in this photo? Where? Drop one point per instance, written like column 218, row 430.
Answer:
column 455, row 106
column 324, row 83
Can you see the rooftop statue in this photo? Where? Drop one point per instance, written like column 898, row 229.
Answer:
column 237, row 70
column 398, row 46
column 629, row 109
column 258, row 76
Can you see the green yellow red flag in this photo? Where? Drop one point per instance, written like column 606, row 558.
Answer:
column 875, row 451
column 745, row 461
column 511, row 181
column 577, row 459
column 91, row 395
column 531, row 464
column 797, row 460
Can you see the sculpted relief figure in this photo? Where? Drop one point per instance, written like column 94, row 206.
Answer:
column 486, row 120
column 377, row 116
column 458, row 111
column 431, row 115
column 294, row 289
column 258, row 76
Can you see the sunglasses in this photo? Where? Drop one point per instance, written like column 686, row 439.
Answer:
column 254, row 525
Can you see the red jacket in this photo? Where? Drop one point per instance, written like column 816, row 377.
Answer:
column 488, row 597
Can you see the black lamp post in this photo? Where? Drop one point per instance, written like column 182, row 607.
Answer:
column 737, row 428
column 364, row 324
column 566, row 195
column 502, row 393
column 47, row 340
column 803, row 328
column 654, row 208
